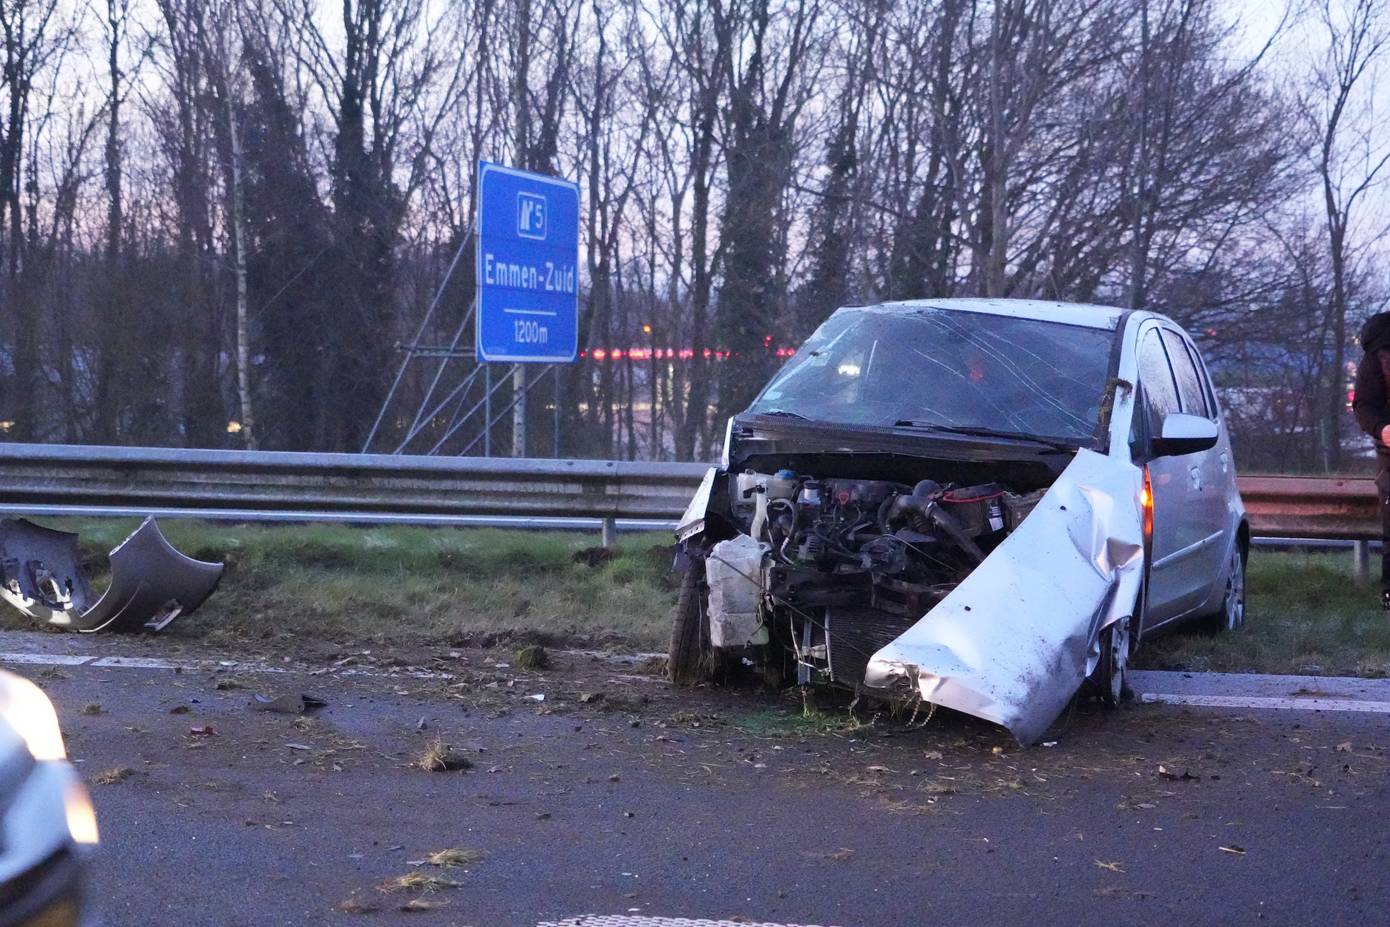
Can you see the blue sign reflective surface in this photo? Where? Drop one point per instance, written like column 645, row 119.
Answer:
column 528, row 266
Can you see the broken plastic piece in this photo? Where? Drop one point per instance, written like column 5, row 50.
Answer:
column 151, row 582
column 289, row 704
column 40, row 571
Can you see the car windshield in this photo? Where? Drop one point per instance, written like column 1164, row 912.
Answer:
column 947, row 368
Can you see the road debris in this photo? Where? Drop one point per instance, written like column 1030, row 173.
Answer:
column 452, row 858
column 415, row 905
column 440, row 757
column 1233, row 848
column 416, row 880
column 151, row 582
column 205, row 730
column 1185, row 776
column 92, row 708
column 289, row 704
column 355, row 905
column 1110, row 867
column 113, row 775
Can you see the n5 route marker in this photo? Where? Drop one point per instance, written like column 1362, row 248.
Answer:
column 527, row 267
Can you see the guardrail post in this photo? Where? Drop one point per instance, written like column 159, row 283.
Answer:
column 610, row 532
column 1361, row 559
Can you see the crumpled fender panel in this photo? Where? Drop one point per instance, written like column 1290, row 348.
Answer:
column 1013, row 642
column 151, row 582
column 693, row 521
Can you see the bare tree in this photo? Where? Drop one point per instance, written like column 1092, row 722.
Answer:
column 1350, row 156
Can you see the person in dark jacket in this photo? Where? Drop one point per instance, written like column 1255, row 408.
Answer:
column 1371, row 402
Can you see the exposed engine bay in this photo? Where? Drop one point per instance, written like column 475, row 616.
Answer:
column 829, row 569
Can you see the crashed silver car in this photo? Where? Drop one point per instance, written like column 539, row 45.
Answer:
column 47, row 825
column 976, row 504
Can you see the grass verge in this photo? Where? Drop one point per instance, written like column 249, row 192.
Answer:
column 403, row 585
column 392, row 586
column 1306, row 613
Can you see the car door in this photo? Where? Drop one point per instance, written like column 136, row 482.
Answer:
column 1173, row 483
column 1212, row 468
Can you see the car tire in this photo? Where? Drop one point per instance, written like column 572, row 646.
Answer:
column 1231, row 615
column 687, row 661
column 1111, row 674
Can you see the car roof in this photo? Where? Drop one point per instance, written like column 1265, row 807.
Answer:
column 1083, row 314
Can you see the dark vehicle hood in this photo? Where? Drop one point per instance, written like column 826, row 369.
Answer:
column 757, row 438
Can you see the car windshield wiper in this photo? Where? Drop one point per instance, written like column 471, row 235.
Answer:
column 783, row 412
column 982, row 432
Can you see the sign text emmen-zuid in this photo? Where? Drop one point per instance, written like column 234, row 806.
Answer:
column 528, row 266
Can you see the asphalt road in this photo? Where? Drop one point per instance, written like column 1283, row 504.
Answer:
column 617, row 796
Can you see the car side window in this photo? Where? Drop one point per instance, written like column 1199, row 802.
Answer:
column 1156, row 380
column 1213, row 410
column 1190, row 391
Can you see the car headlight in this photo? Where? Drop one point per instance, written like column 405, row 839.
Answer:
column 82, row 817
column 25, row 708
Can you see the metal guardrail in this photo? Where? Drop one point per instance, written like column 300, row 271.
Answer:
column 339, row 485
column 51, row 478
column 1338, row 508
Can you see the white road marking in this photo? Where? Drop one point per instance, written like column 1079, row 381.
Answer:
column 46, row 659
column 1278, row 704
column 153, row 663
column 135, row 663
column 1234, row 702
column 634, row 920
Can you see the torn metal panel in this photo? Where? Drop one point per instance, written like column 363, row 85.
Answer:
column 151, row 582
column 1016, row 638
column 693, row 521
column 41, row 571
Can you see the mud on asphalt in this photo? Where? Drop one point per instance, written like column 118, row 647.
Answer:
column 593, row 786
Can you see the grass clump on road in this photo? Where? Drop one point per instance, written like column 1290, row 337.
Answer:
column 454, row 857
column 112, row 776
column 1306, row 613
column 418, row 881
column 396, row 585
column 440, row 757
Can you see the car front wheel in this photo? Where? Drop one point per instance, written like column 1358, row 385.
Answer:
column 687, row 661
column 1110, row 674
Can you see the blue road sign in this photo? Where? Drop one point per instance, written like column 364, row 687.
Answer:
column 528, row 266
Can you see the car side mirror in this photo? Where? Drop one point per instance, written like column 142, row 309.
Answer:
column 1185, row 434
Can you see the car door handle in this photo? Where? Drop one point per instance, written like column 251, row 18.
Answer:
column 1195, row 473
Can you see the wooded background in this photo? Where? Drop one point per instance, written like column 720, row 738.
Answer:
column 219, row 217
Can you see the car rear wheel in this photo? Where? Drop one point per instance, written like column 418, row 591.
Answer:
column 687, row 661
column 1232, row 614
column 1110, row 675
